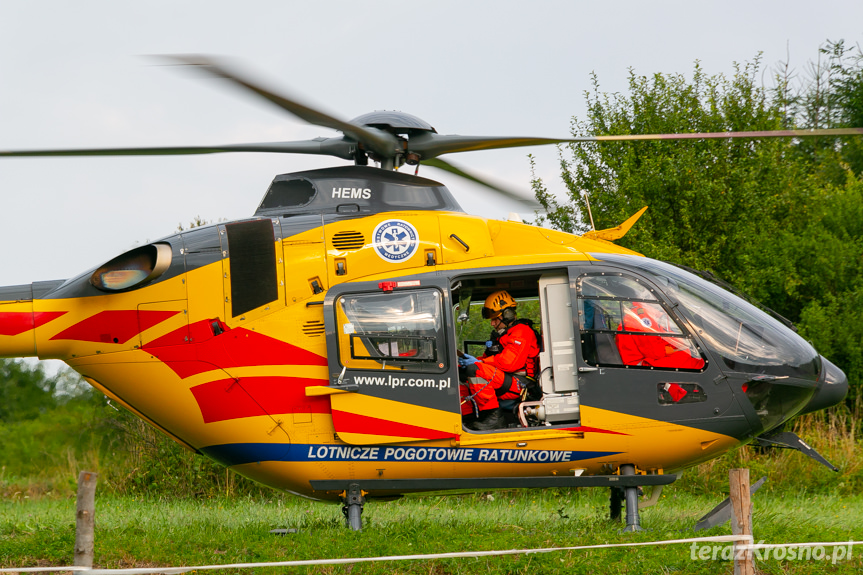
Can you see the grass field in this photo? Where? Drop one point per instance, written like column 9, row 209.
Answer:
column 151, row 532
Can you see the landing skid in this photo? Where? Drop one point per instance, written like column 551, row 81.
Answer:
column 789, row 440
column 722, row 512
column 353, row 492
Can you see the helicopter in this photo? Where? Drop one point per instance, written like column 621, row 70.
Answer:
column 313, row 347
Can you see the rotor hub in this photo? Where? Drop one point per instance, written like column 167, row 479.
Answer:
column 394, row 122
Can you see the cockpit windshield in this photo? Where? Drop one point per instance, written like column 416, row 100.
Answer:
column 747, row 339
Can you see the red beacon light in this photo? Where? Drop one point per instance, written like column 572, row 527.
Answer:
column 390, row 286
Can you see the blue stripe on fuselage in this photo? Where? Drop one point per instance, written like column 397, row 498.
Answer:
column 239, row 453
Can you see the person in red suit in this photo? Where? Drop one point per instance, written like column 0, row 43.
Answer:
column 508, row 366
column 652, row 350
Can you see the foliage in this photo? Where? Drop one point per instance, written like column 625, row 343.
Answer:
column 45, row 454
column 826, row 323
column 705, row 197
column 53, row 427
column 152, row 464
column 24, row 389
column 828, row 95
column 832, row 433
column 28, row 392
column 197, row 222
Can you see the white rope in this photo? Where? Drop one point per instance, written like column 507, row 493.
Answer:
column 39, row 569
column 309, row 562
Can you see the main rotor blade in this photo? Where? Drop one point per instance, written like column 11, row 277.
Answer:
column 338, row 147
column 378, row 141
column 442, row 165
column 719, row 135
column 431, row 145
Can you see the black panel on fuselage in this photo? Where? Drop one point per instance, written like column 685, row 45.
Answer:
column 253, row 265
column 353, row 190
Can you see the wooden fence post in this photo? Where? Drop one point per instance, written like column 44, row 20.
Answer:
column 741, row 519
column 84, row 525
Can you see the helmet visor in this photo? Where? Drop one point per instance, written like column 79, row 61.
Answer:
column 488, row 313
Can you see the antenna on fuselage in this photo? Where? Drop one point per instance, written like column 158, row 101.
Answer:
column 589, row 213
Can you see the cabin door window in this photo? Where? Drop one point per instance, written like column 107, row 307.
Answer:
column 396, row 331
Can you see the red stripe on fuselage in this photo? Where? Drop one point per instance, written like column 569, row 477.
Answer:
column 251, row 396
column 238, row 347
column 17, row 322
column 114, row 326
column 225, row 399
column 346, row 422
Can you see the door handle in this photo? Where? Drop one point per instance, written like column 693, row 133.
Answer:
column 587, row 369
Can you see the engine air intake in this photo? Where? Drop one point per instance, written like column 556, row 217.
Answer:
column 313, row 328
column 348, row 240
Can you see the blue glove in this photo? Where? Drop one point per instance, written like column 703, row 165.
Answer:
column 466, row 360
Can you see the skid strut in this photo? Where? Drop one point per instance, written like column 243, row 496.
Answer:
column 353, row 499
column 630, row 494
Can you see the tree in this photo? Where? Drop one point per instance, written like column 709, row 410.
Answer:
column 828, row 95
column 24, row 389
column 710, row 200
column 780, row 219
column 830, row 320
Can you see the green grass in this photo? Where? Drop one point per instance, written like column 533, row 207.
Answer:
column 133, row 531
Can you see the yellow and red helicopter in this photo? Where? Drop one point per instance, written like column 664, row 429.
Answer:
column 313, row 346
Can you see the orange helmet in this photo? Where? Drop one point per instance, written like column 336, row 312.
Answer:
column 496, row 303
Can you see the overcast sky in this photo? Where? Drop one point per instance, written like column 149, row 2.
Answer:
column 72, row 75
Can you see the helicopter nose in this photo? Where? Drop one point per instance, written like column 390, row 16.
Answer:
column 831, row 392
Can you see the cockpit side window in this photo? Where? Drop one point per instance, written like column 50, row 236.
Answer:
column 623, row 323
column 747, row 339
column 396, row 330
